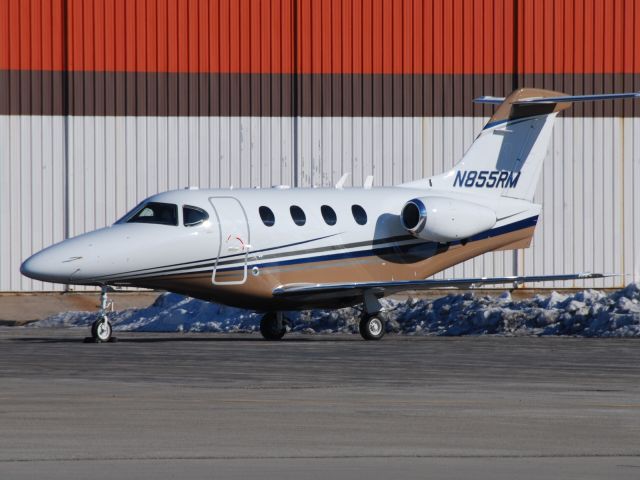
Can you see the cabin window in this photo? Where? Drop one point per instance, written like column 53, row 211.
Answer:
column 359, row 215
column 192, row 216
column 328, row 214
column 298, row 216
column 267, row 216
column 156, row 212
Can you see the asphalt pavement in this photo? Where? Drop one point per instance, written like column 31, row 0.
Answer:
column 235, row 406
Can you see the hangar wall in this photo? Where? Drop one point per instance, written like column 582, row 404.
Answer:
column 103, row 103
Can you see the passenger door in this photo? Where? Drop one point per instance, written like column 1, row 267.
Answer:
column 234, row 245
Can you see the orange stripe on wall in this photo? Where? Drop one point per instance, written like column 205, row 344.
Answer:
column 334, row 36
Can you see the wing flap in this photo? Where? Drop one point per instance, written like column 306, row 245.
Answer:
column 353, row 289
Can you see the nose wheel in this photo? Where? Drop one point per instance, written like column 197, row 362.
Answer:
column 273, row 326
column 101, row 330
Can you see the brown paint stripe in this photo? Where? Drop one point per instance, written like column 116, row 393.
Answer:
column 271, row 95
column 256, row 293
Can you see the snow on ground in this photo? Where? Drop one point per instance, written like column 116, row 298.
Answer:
column 588, row 313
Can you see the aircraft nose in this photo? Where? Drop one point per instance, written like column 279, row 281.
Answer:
column 53, row 264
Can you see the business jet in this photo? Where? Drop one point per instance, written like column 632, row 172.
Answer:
column 280, row 249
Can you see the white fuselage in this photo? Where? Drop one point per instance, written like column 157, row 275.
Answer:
column 236, row 258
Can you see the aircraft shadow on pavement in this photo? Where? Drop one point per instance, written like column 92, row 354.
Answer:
column 176, row 339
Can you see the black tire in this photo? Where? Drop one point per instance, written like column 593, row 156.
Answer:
column 101, row 330
column 271, row 327
column 372, row 327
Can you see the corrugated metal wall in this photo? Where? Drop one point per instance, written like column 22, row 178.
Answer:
column 103, row 103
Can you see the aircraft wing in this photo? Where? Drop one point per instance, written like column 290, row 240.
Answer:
column 353, row 289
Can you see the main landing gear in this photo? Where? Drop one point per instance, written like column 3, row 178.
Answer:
column 372, row 322
column 372, row 326
column 101, row 330
column 273, row 326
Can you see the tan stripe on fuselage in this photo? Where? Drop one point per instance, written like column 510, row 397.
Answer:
column 256, row 293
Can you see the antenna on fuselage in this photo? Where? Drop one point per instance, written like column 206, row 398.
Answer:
column 342, row 181
column 368, row 182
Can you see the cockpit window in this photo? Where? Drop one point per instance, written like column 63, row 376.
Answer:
column 192, row 216
column 156, row 212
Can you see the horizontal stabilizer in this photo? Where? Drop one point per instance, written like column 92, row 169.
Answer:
column 489, row 99
column 577, row 98
column 354, row 289
column 559, row 99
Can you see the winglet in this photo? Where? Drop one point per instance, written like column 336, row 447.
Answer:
column 368, row 182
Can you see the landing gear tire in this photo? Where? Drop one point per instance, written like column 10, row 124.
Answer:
column 372, row 326
column 101, row 330
column 272, row 326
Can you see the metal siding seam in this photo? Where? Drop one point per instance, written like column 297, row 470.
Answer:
column 610, row 206
column 366, row 140
column 620, row 214
column 353, row 131
column 568, row 235
column 627, row 174
column 254, row 151
column 13, row 193
column 205, row 154
column 215, row 155
column 636, row 200
column 24, row 196
column 225, row 152
column 264, row 151
column 100, row 174
column 580, row 185
column 5, row 202
column 110, row 169
column 296, row 157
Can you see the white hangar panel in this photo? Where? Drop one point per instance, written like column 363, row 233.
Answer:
column 582, row 186
column 590, row 220
column 32, row 191
column 127, row 159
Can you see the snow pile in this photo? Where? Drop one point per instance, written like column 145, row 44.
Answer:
column 587, row 313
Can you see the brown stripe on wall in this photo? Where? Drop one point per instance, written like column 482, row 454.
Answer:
column 333, row 95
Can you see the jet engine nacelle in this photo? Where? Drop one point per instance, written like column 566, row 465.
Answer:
column 442, row 219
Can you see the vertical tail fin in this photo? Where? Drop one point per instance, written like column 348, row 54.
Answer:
column 506, row 158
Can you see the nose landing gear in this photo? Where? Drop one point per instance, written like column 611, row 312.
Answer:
column 101, row 330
